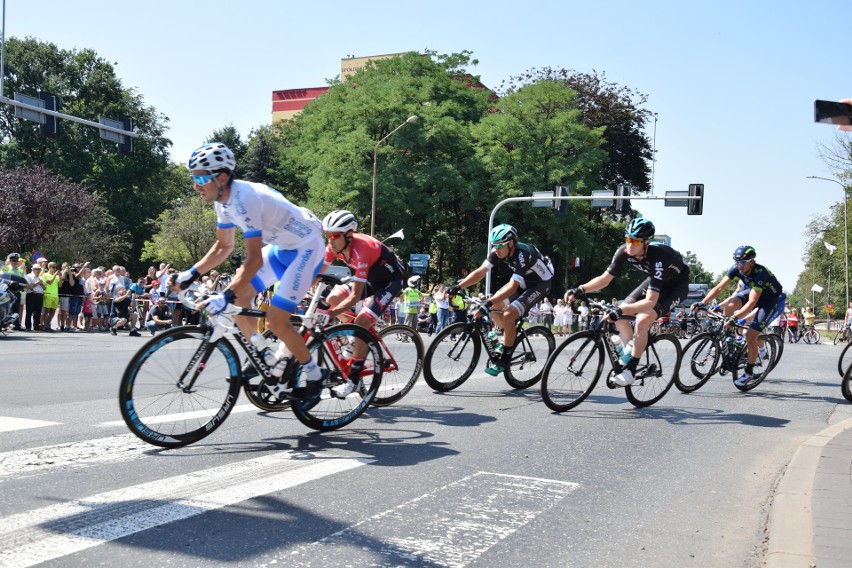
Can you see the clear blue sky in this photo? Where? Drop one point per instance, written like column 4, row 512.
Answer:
column 733, row 83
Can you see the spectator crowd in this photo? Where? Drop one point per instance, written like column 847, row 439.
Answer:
column 78, row 297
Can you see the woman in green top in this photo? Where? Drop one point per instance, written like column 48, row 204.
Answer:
column 51, row 296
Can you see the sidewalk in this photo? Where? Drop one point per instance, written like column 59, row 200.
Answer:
column 810, row 523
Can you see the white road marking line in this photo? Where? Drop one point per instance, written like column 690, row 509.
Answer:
column 185, row 416
column 59, row 530
column 452, row 526
column 9, row 424
column 73, row 455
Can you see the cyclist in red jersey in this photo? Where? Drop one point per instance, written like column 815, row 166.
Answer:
column 377, row 279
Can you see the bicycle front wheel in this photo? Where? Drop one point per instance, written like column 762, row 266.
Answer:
column 167, row 409
column 656, row 372
column 403, row 360
column 760, row 369
column 845, row 359
column 533, row 347
column 838, row 337
column 452, row 356
column 845, row 386
column 572, row 371
column 329, row 412
column 699, row 361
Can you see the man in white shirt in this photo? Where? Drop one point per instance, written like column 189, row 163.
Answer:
column 35, row 298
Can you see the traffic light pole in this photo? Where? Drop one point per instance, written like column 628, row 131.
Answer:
column 571, row 198
column 40, row 110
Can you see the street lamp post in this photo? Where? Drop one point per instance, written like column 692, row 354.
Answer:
column 411, row 118
column 845, row 234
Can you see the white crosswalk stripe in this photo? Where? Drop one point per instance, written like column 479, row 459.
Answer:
column 10, row 424
column 56, row 531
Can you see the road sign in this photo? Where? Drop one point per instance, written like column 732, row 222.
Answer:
column 423, row 263
column 419, row 269
column 543, row 199
column 414, row 256
column 601, row 202
column 672, row 201
column 28, row 114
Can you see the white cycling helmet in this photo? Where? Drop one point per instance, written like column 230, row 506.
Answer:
column 413, row 281
column 212, row 157
column 339, row 221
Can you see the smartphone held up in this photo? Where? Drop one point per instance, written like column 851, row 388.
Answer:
column 832, row 112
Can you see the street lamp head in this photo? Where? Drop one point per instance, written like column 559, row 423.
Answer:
column 412, row 118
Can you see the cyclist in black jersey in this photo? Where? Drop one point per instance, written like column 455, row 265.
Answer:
column 666, row 286
column 532, row 272
column 759, row 290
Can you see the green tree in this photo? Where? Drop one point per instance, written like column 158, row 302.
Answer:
column 616, row 107
column 184, row 233
column 231, row 138
column 258, row 163
column 131, row 188
column 697, row 274
column 427, row 176
column 533, row 142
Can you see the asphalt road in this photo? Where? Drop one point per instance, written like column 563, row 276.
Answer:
column 481, row 476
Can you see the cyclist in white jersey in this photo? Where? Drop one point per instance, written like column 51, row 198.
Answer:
column 283, row 244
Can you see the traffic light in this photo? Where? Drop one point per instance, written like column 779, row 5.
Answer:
column 695, row 206
column 561, row 206
column 622, row 206
column 126, row 146
column 50, row 126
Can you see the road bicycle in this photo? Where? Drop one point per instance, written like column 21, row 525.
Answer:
column 454, row 353
column 402, row 360
column 809, row 334
column 576, row 366
column 183, row 383
column 723, row 350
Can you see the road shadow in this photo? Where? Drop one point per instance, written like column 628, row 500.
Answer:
column 685, row 416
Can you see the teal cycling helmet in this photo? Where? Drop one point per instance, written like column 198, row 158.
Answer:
column 503, row 234
column 640, row 228
column 744, row 253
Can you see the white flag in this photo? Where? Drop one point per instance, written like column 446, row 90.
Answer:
column 831, row 248
column 397, row 234
column 816, row 288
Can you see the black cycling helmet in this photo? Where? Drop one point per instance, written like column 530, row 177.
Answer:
column 640, row 228
column 744, row 252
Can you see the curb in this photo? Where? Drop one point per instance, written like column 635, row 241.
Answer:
column 791, row 521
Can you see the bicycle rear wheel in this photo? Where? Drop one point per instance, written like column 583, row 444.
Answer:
column 779, row 349
column 656, row 372
column 452, row 356
column 572, row 371
column 403, row 360
column 699, row 361
column 166, row 411
column 327, row 412
column 534, row 345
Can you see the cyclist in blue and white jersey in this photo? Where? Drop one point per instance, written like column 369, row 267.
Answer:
column 666, row 286
column 283, row 243
column 761, row 292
